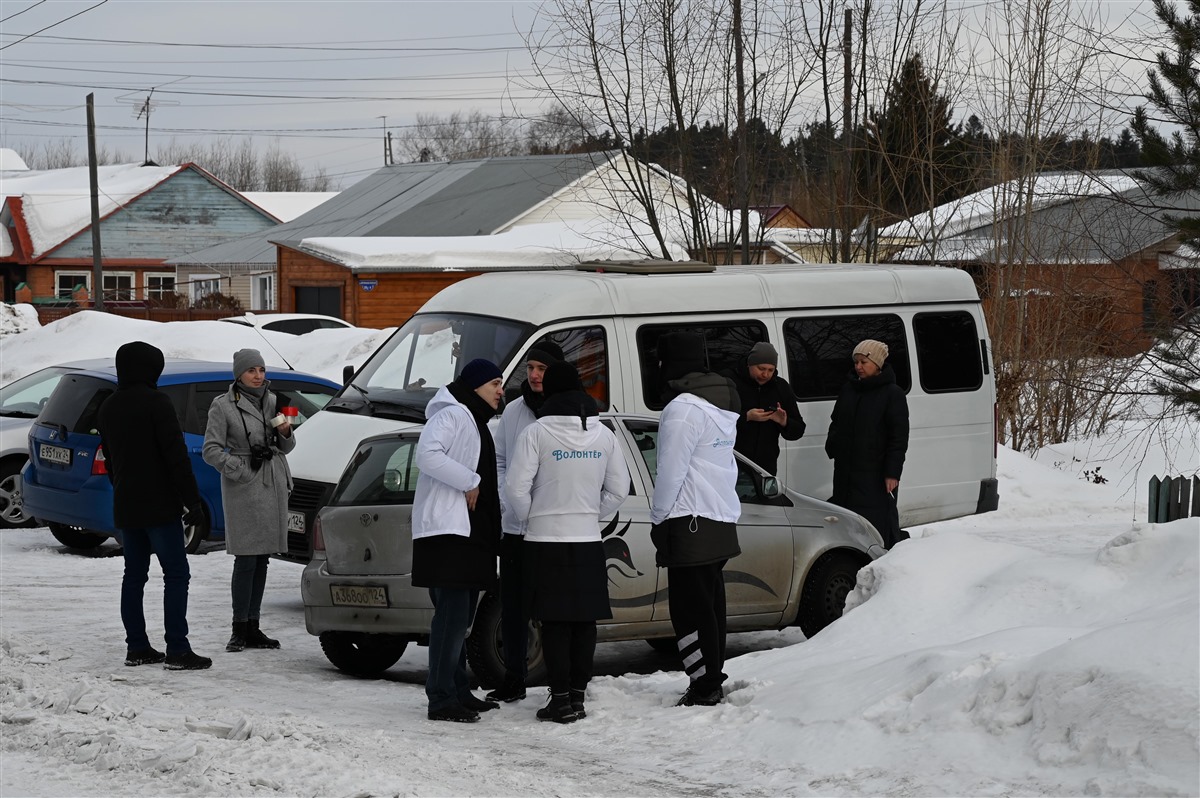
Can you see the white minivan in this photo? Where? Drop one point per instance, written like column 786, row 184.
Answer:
column 607, row 317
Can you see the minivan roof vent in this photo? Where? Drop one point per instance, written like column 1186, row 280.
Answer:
column 646, row 266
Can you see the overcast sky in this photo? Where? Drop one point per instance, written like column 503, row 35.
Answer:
column 317, row 74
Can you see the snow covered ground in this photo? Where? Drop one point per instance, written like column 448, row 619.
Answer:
column 1049, row 648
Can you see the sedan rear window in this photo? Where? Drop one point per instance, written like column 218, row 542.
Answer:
column 76, row 401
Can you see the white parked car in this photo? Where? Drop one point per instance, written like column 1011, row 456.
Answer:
column 293, row 323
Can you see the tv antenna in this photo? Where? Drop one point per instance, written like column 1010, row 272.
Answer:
column 142, row 107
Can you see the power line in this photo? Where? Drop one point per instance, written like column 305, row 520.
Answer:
column 48, row 27
column 22, row 11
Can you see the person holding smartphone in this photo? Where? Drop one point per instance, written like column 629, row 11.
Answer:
column 769, row 409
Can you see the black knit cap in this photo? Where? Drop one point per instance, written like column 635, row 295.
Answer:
column 545, row 351
column 478, row 372
column 559, row 378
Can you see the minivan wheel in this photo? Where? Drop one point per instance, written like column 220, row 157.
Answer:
column 362, row 654
column 194, row 535
column 485, row 652
column 75, row 537
column 12, row 513
column 824, row 594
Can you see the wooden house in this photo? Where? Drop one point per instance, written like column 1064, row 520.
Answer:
column 1067, row 254
column 147, row 214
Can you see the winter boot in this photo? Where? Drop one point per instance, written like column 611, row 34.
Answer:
column 513, row 689
column 558, row 710
column 255, row 638
column 237, row 641
column 577, row 697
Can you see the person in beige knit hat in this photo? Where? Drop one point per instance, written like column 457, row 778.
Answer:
column 868, row 441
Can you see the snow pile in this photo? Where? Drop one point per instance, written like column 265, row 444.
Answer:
column 17, row 319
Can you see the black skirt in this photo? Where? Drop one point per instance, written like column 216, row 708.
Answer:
column 565, row 581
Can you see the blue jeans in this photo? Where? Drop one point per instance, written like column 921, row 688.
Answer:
column 447, row 680
column 166, row 542
column 249, row 584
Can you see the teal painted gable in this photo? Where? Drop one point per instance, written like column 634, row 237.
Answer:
column 182, row 214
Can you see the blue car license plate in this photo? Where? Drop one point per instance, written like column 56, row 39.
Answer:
column 54, row 454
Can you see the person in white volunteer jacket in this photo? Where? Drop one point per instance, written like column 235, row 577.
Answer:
column 514, row 622
column 456, row 529
column 695, row 508
column 565, row 473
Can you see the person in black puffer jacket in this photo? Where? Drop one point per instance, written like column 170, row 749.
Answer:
column 769, row 409
column 868, row 440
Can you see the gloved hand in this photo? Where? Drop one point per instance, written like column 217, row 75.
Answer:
column 194, row 516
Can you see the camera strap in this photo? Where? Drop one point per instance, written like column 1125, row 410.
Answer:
column 237, row 396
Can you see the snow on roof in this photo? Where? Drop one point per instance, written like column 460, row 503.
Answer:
column 6, row 246
column 1186, row 257
column 288, row 205
column 980, row 208
column 10, row 161
column 535, row 246
column 57, row 202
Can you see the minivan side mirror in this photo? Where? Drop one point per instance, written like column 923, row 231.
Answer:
column 347, row 373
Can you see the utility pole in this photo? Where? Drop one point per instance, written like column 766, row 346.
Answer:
column 94, row 180
column 387, row 142
column 743, row 168
column 847, row 153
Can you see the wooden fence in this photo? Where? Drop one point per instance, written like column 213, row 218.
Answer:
column 1172, row 498
column 47, row 314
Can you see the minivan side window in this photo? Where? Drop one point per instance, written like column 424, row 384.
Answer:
column 819, row 351
column 727, row 344
column 948, row 352
column 587, row 349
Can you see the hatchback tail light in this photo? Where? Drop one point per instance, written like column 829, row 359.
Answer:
column 318, row 536
column 99, row 466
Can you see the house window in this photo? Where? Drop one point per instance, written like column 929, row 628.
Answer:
column 160, row 287
column 262, row 296
column 201, row 285
column 65, row 283
column 118, row 287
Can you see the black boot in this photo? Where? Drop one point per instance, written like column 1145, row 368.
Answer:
column 255, row 638
column 513, row 689
column 577, row 697
column 237, row 641
column 558, row 710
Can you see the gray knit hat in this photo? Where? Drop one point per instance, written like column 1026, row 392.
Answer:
column 762, row 352
column 244, row 359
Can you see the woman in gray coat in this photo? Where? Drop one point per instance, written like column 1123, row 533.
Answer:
column 245, row 441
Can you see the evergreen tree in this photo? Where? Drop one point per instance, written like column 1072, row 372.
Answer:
column 1175, row 160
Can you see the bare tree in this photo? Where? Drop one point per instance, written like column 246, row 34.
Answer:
column 64, row 153
column 459, row 136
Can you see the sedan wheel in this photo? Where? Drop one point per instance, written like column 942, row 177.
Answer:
column 12, row 512
column 362, row 654
column 485, row 647
column 824, row 594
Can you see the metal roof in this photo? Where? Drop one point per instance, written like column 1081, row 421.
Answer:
column 427, row 199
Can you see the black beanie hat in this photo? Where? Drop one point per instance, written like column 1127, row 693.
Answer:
column 560, row 377
column 478, row 372
column 681, row 353
column 545, row 351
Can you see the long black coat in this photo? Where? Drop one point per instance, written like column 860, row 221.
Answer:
column 144, row 448
column 759, row 440
column 868, row 439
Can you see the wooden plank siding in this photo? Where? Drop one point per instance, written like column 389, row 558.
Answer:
column 395, row 297
column 182, row 214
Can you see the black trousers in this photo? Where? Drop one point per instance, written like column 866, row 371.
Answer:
column 514, row 620
column 569, row 647
column 697, row 603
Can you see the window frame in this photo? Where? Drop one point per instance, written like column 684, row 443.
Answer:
column 60, row 273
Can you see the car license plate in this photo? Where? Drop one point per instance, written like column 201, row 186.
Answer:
column 359, row 596
column 296, row 522
column 54, row 454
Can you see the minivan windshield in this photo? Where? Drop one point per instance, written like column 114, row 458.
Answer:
column 429, row 351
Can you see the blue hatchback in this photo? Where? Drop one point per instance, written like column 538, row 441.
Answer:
column 65, row 484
